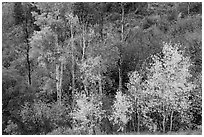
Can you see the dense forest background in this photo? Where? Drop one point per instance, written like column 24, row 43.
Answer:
column 101, row 68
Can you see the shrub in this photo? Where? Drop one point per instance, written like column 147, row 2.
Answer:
column 41, row 118
column 87, row 114
column 122, row 109
column 11, row 128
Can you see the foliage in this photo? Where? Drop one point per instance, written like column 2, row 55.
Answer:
column 46, row 116
column 64, row 131
column 87, row 113
column 168, row 85
column 122, row 109
column 92, row 70
column 172, row 69
column 69, row 54
column 7, row 16
column 196, row 102
column 11, row 129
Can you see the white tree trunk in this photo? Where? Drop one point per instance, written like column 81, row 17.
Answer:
column 83, row 43
column 73, row 62
column 100, row 85
column 58, row 75
column 171, row 120
column 164, row 117
column 58, row 82
column 120, row 58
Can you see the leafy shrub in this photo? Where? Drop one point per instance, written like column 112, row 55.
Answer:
column 42, row 118
column 87, row 113
column 63, row 131
column 122, row 109
column 11, row 128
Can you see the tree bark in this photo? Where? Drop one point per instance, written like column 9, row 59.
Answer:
column 188, row 8
column 120, row 74
column 120, row 54
column 28, row 62
column 58, row 82
column 28, row 47
column 73, row 62
column 163, row 123
column 138, row 116
column 171, row 120
column 83, row 43
column 122, row 22
column 59, row 73
column 83, row 52
column 138, row 123
column 133, row 124
column 164, row 116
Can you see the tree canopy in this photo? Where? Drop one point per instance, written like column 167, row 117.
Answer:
column 101, row 67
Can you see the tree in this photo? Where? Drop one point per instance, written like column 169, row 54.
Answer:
column 16, row 61
column 137, row 96
column 92, row 71
column 22, row 30
column 122, row 109
column 87, row 113
column 55, row 21
column 168, row 84
column 120, row 52
column 112, row 57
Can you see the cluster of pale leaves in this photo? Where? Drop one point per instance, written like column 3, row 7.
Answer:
column 87, row 113
column 91, row 69
column 136, row 89
column 122, row 109
column 167, row 84
column 168, row 78
column 11, row 128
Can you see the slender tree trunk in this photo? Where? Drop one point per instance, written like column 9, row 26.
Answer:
column 28, row 62
column 120, row 58
column 83, row 52
column 100, row 85
column 138, row 116
column 101, row 26
column 58, row 73
column 133, row 124
column 134, row 119
column 163, row 123
column 73, row 62
column 171, row 120
column 138, row 123
column 164, row 116
column 28, row 48
column 122, row 22
column 188, row 8
column 120, row 74
column 83, row 42
column 58, row 82
column 85, row 88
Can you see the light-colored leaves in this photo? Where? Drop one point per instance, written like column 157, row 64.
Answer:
column 87, row 113
column 168, row 78
column 167, row 87
column 122, row 109
column 91, row 68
